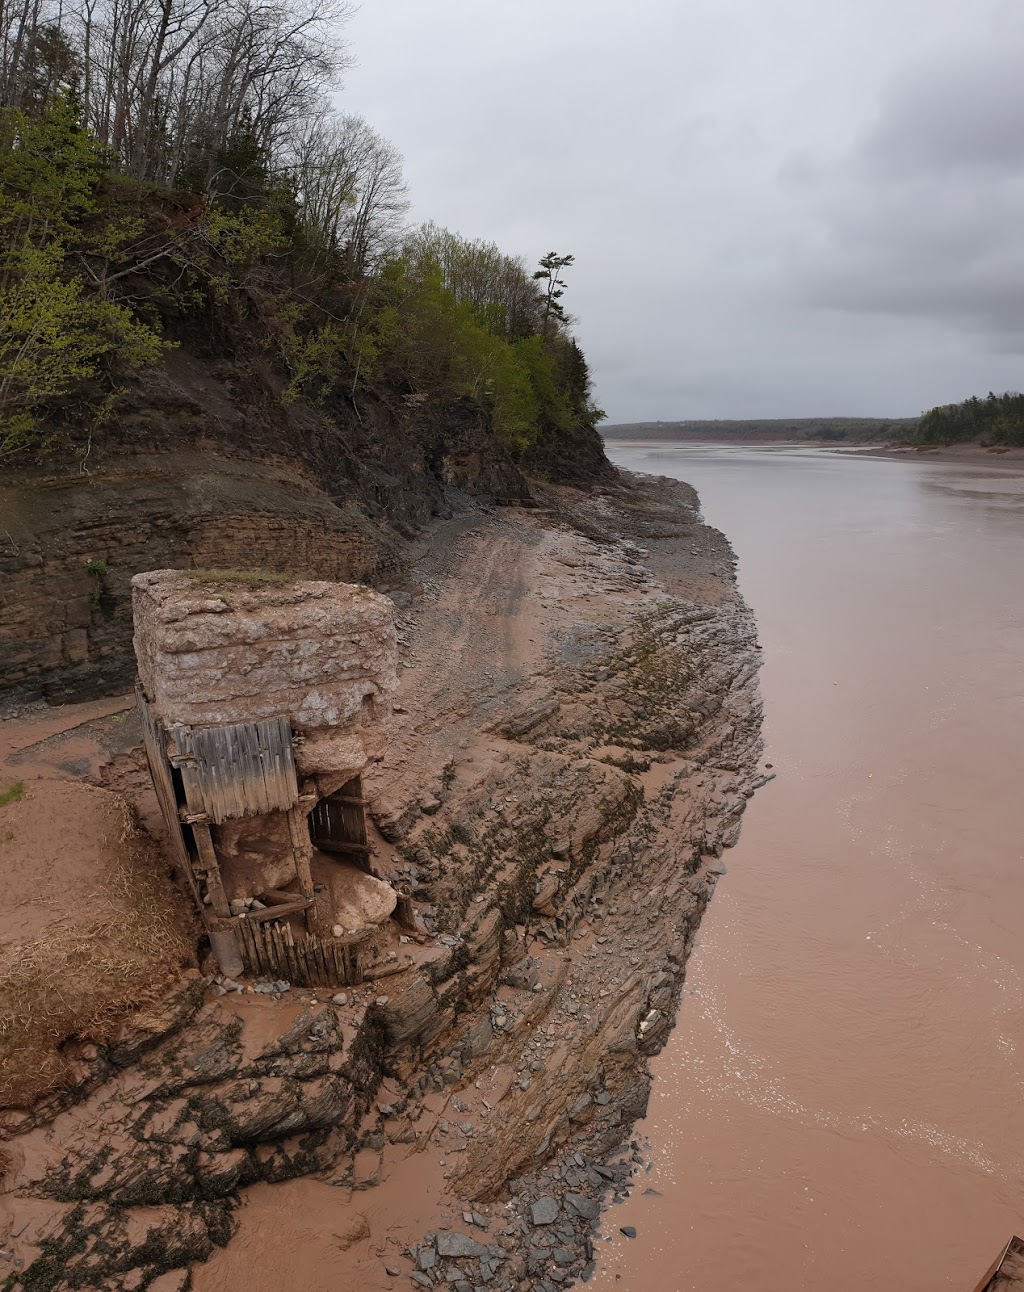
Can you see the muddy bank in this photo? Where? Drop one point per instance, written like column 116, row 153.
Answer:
column 574, row 742
column 973, row 454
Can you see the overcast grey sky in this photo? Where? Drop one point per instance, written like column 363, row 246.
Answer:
column 777, row 207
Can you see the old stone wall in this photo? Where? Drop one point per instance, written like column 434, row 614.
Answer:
column 222, row 649
column 69, row 547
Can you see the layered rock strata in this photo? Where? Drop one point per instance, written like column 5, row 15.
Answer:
column 577, row 737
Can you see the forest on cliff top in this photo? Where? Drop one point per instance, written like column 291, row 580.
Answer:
column 174, row 168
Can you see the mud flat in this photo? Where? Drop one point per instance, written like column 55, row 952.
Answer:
column 574, row 742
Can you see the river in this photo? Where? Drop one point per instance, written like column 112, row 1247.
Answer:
column 840, row 1105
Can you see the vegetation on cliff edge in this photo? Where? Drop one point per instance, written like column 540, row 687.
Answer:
column 166, row 163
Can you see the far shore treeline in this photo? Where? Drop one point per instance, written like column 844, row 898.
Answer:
column 997, row 420
column 174, row 169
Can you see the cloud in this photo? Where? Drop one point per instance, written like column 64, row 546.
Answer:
column 925, row 218
column 776, row 209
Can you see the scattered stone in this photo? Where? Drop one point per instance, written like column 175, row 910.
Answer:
column 340, row 999
column 426, row 1258
column 545, row 1210
column 628, row 1230
column 584, row 1207
column 453, row 1245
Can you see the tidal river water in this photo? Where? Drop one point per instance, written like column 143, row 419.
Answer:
column 841, row 1104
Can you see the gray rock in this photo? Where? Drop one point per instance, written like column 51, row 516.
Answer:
column 426, row 1258
column 584, row 1207
column 393, row 1270
column 421, row 1280
column 453, row 1245
column 563, row 1256
column 628, row 1230
column 545, row 1210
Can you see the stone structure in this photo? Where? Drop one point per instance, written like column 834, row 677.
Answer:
column 263, row 702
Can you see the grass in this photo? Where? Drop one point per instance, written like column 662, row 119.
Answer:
column 246, row 578
column 13, row 794
column 81, row 978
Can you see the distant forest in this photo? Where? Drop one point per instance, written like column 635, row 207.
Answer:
column 853, row 430
column 997, row 419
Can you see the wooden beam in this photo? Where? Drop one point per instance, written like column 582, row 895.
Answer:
column 278, row 896
column 302, row 851
column 275, row 912
column 332, row 845
column 209, row 864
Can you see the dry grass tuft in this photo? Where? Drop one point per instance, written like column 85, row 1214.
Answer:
column 80, row 979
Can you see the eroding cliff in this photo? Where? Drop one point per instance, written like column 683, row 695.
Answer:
column 577, row 735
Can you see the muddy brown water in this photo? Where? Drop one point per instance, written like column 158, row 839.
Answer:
column 840, row 1105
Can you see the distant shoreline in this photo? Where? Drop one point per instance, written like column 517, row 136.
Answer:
column 801, row 430
column 973, row 453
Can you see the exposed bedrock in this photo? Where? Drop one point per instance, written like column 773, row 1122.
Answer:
column 577, row 735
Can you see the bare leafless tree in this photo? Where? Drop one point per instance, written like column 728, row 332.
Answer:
column 351, row 190
column 170, row 85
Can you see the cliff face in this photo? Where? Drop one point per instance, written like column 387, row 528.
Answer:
column 208, row 466
column 575, row 740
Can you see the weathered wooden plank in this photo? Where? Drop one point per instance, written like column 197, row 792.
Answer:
column 275, row 912
column 163, row 784
column 237, row 770
column 209, row 863
column 354, row 849
column 291, row 956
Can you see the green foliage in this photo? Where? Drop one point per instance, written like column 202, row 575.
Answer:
column 92, row 261
column 997, row 419
column 13, row 794
column 57, row 336
column 438, row 325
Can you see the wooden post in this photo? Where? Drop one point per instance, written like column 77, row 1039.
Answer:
column 302, row 850
column 209, row 864
column 405, row 911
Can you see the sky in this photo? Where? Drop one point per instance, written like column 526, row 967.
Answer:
column 778, row 208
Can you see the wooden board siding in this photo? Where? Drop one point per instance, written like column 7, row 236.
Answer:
column 338, row 823
column 241, row 770
column 273, row 951
column 163, row 784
